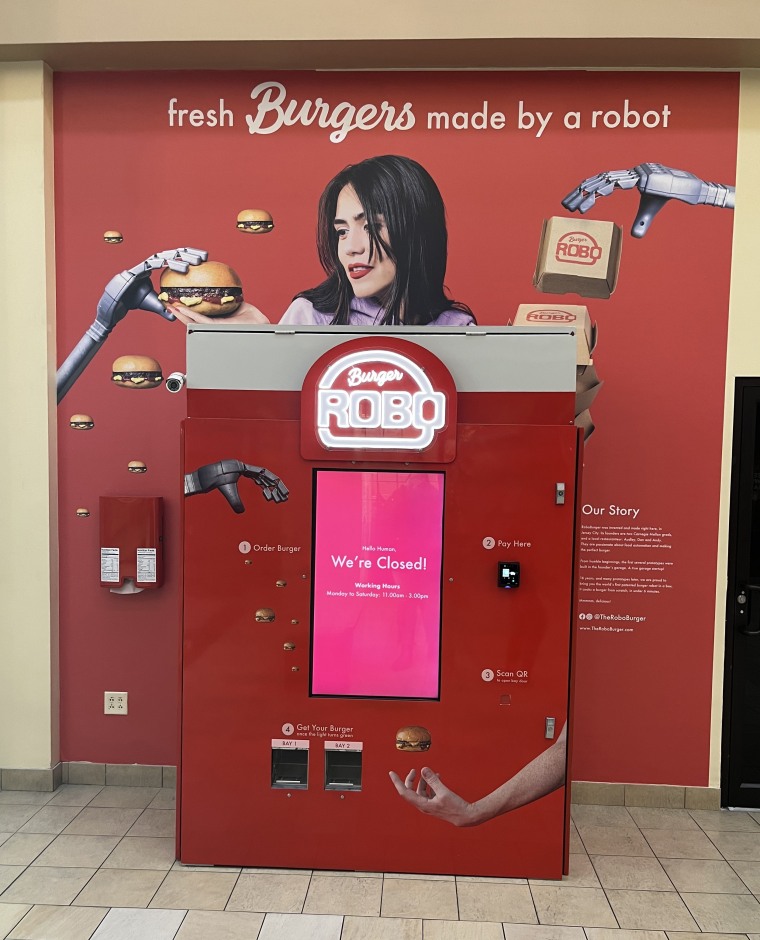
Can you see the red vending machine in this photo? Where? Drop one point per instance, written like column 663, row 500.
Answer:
column 379, row 577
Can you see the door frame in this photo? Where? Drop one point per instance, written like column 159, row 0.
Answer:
column 737, row 524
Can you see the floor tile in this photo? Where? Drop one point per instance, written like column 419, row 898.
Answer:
column 77, row 851
column 576, row 845
column 542, row 932
column 299, row 927
column 4, row 836
column 155, row 822
column 677, row 843
column 22, row 848
column 381, row 928
column 202, row 891
column 8, row 874
column 495, row 902
column 14, row 815
column 10, row 915
column 651, row 910
column 459, row 930
column 142, row 853
column 30, row 797
column 658, row 818
column 726, row 913
column 749, row 872
column 166, row 798
column 283, row 894
column 604, row 840
column 604, row 933
column 117, row 887
column 712, row 876
column 180, row 866
column 736, row 846
column 582, row 874
column 724, row 820
column 344, row 894
column 616, row 817
column 686, row 935
column 74, row 795
column 47, row 885
column 410, row 876
column 433, row 900
column 131, row 924
column 623, row 872
column 52, row 819
column 45, row 922
column 220, row 925
column 125, row 797
column 572, row 907
column 96, row 821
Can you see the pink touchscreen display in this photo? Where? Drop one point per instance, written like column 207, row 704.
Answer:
column 377, row 583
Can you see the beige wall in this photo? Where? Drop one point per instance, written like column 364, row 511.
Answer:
column 86, row 34
column 28, row 549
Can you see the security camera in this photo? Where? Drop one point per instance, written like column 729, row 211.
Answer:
column 175, row 382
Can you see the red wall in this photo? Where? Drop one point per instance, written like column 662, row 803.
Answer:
column 662, row 339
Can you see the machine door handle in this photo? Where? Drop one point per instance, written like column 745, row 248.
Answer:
column 744, row 610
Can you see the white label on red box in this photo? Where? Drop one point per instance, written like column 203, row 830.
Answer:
column 344, row 745
column 289, row 744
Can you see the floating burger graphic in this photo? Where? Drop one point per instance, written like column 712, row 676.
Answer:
column 578, row 248
column 380, row 399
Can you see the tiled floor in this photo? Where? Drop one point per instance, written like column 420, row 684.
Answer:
column 98, row 862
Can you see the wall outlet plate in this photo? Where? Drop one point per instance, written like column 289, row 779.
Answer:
column 115, row 703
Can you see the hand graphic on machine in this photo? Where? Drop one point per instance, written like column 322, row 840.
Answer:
column 130, row 290
column 224, row 475
column 657, row 185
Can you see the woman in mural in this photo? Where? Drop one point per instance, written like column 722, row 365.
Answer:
column 382, row 241
column 541, row 776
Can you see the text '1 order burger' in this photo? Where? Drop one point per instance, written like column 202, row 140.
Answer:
column 136, row 371
column 413, row 738
column 211, row 288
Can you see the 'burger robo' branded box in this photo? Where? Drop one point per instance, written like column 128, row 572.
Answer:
column 561, row 316
column 578, row 256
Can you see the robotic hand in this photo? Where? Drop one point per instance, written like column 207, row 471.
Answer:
column 223, row 476
column 657, row 184
column 129, row 290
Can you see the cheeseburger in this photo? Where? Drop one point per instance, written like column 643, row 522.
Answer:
column 83, row 512
column 136, row 466
column 113, row 238
column 81, row 422
column 255, row 221
column 210, row 288
column 136, row 372
column 413, row 738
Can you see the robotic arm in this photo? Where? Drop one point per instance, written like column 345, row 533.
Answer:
column 657, row 184
column 223, row 476
column 129, row 290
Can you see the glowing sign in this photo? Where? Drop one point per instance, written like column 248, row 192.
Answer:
column 378, row 399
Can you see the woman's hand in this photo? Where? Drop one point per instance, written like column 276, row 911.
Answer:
column 245, row 313
column 432, row 796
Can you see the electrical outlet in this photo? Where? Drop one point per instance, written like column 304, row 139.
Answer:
column 115, row 703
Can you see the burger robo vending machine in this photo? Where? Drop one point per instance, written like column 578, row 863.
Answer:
column 379, row 574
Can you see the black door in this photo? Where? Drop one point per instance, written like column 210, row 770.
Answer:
column 740, row 784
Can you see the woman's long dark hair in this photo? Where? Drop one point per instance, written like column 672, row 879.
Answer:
column 407, row 198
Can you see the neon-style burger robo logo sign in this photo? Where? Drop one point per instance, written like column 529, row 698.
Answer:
column 578, row 248
column 379, row 398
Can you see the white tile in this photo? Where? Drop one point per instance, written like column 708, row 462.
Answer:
column 542, row 932
column 10, row 915
column 74, row 795
column 47, row 885
column 220, row 925
column 132, row 924
column 45, row 922
column 299, row 927
column 461, row 930
column 381, row 928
